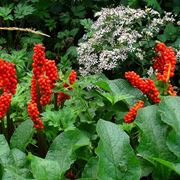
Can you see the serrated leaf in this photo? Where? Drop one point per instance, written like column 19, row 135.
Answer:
column 5, row 12
column 22, row 10
column 44, row 169
column 119, row 90
column 22, row 135
column 63, row 147
column 116, row 157
column 170, row 114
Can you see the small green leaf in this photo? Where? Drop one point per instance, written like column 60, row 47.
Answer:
column 22, row 10
column 22, row 135
column 116, row 157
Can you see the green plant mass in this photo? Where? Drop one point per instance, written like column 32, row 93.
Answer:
column 89, row 90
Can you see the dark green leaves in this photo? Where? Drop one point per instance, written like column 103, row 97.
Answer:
column 116, row 157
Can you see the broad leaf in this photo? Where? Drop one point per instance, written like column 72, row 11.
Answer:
column 153, row 138
column 62, row 148
column 4, row 147
column 22, row 135
column 44, row 169
column 90, row 170
column 116, row 157
column 170, row 114
column 174, row 166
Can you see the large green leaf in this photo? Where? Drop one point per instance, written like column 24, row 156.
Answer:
column 90, row 170
column 4, row 147
column 44, row 169
column 22, row 135
column 62, row 148
column 118, row 90
column 170, row 114
column 153, row 138
column 116, row 157
column 174, row 166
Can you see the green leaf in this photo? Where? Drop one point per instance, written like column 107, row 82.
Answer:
column 118, row 90
column 153, row 138
column 90, row 170
column 44, row 169
column 79, row 11
column 116, row 157
column 170, row 32
column 5, row 12
column 174, row 166
column 22, row 135
column 4, row 147
column 63, row 147
column 22, row 10
column 154, row 4
column 10, row 174
column 170, row 114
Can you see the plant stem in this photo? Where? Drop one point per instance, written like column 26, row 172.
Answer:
column 10, row 125
column 42, row 145
column 3, row 129
column 55, row 102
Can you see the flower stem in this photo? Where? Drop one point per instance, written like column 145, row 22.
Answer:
column 10, row 125
column 42, row 144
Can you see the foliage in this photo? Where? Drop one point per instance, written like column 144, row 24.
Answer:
column 85, row 136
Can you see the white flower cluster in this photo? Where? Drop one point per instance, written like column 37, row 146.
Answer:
column 117, row 33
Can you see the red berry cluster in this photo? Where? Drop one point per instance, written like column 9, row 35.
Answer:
column 8, row 78
column 164, row 62
column 5, row 101
column 147, row 86
column 44, row 89
column 45, row 73
column 34, row 114
column 38, row 60
column 61, row 97
column 72, row 77
column 8, row 84
column 131, row 115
